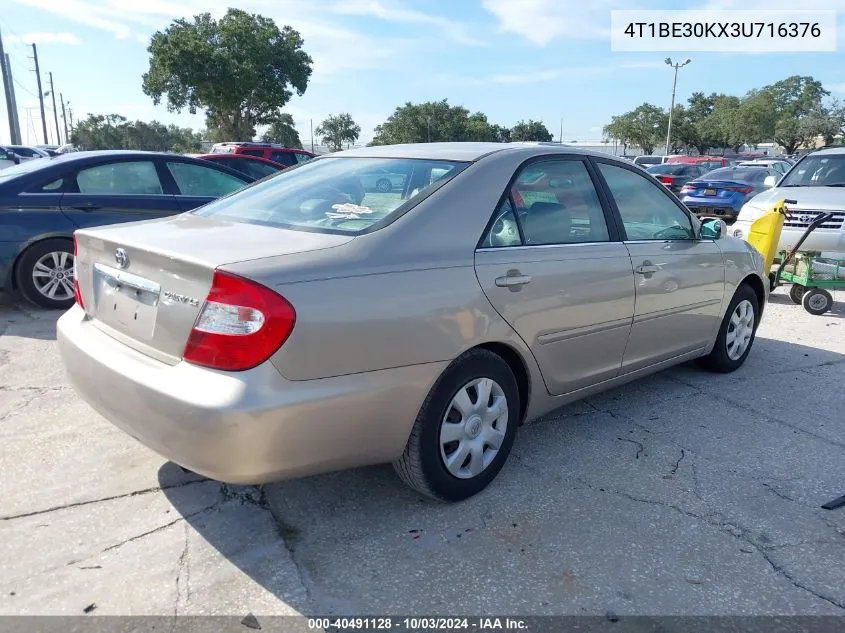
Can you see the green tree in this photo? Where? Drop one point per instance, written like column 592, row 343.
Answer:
column 499, row 133
column 100, row 131
column 113, row 131
column 619, row 129
column 337, row 130
column 241, row 69
column 643, row 127
column 283, row 131
column 432, row 121
column 530, row 130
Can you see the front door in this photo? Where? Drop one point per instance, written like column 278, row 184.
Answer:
column 552, row 267
column 119, row 191
column 679, row 278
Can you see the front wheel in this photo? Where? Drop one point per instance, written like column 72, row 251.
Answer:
column 736, row 334
column 45, row 274
column 465, row 429
column 817, row 301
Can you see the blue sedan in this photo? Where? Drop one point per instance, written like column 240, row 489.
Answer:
column 42, row 202
column 722, row 192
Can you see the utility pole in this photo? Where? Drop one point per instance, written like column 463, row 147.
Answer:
column 40, row 93
column 9, row 93
column 64, row 117
column 560, row 138
column 55, row 112
column 70, row 116
column 15, row 129
column 312, row 135
column 672, row 107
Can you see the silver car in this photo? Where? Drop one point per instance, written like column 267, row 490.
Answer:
column 303, row 325
column 815, row 185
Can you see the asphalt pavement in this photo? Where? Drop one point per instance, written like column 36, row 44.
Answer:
column 685, row 493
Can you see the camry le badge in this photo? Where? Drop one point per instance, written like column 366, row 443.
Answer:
column 121, row 258
column 177, row 298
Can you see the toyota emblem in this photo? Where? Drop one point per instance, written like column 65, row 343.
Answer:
column 121, row 258
column 805, row 218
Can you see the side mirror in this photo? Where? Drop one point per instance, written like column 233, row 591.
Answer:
column 713, row 229
column 770, row 181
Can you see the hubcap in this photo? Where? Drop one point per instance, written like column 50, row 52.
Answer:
column 474, row 427
column 740, row 329
column 817, row 301
column 52, row 275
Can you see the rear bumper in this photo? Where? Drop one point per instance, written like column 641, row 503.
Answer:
column 244, row 427
column 825, row 240
column 708, row 207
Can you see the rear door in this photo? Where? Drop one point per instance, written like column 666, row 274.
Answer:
column 552, row 265
column 197, row 185
column 117, row 191
column 680, row 279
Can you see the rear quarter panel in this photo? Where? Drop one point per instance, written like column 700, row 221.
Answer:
column 741, row 262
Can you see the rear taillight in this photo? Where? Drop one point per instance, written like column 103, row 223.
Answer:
column 667, row 180
column 241, row 325
column 740, row 189
column 77, row 294
column 686, row 189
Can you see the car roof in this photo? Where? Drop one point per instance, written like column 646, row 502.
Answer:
column 466, row 152
column 829, row 151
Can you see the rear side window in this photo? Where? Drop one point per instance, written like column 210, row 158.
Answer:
column 283, row 158
column 256, row 169
column 253, row 152
column 129, row 178
column 197, row 180
column 301, row 158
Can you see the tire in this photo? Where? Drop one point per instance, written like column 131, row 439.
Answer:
column 46, row 268
column 796, row 292
column 384, row 185
column 726, row 356
column 423, row 464
column 817, row 301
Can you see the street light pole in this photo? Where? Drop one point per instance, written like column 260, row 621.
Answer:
column 672, row 107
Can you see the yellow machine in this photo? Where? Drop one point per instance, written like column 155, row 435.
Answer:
column 765, row 231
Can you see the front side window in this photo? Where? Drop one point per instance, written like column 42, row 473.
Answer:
column 334, row 194
column 129, row 178
column 556, row 203
column 197, row 180
column 647, row 212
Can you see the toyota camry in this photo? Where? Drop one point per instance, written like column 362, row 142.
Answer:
column 307, row 323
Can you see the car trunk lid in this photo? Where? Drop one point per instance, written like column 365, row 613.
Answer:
column 145, row 283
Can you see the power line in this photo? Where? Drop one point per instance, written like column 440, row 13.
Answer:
column 24, row 88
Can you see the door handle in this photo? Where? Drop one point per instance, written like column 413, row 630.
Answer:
column 512, row 281
column 647, row 269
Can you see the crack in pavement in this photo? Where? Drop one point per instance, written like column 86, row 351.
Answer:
column 677, row 464
column 77, row 504
column 734, row 530
column 183, row 567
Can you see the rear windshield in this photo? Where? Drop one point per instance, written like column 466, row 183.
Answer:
column 742, row 174
column 346, row 195
column 648, row 160
column 816, row 171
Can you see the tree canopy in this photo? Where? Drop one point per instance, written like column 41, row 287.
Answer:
column 283, row 131
column 241, row 69
column 791, row 112
column 336, row 130
column 530, row 130
column 113, row 131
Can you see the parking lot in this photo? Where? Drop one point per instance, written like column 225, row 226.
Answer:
column 684, row 493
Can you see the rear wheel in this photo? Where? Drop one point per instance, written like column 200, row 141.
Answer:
column 817, row 301
column 45, row 274
column 796, row 293
column 465, row 429
column 736, row 334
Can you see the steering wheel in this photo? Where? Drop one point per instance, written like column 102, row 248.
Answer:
column 504, row 232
